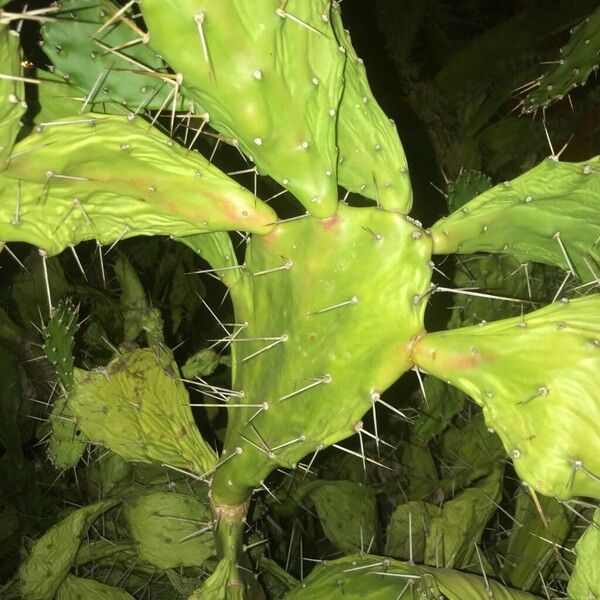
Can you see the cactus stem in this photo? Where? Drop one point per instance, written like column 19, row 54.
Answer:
column 353, row 300
column 281, row 339
column 4, row 246
column 320, row 380
column 358, row 455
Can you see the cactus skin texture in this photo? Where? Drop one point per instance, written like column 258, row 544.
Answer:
column 345, row 337
column 378, row 578
column 12, row 92
column 68, row 191
column 578, row 60
column 371, row 158
column 277, row 110
column 543, row 403
column 73, row 588
column 585, row 580
column 165, row 527
column 77, row 49
column 138, row 407
column 54, row 553
column 547, row 215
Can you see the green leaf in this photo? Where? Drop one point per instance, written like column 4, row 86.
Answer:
column 138, row 407
column 77, row 588
column 53, row 555
column 171, row 530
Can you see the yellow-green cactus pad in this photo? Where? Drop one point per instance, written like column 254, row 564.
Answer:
column 371, row 159
column 269, row 75
column 170, row 530
column 332, row 308
column 585, row 580
column 93, row 49
column 63, row 184
column 578, row 60
column 78, row 588
column 53, row 555
column 550, row 214
column 138, row 407
column 379, row 578
column 12, row 91
column 537, row 379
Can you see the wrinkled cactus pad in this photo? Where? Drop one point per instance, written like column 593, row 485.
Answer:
column 338, row 339
column 68, row 191
column 138, row 407
column 275, row 96
column 549, row 215
column 537, row 379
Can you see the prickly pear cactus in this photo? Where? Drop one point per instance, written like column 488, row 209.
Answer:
column 100, row 49
column 579, row 58
column 301, row 308
column 59, row 340
column 138, row 407
column 547, row 215
column 542, row 403
column 12, row 91
column 281, row 113
column 66, row 191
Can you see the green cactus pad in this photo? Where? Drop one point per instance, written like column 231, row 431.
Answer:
column 275, row 96
column 64, row 180
column 54, row 553
column 334, row 501
column 138, row 407
column 532, row 540
column 338, row 339
column 59, row 340
column 550, row 214
column 585, row 580
column 536, row 378
column 201, row 363
column 371, row 159
column 578, row 60
column 12, row 91
column 78, row 588
column 465, row 187
column 223, row 584
column 84, row 56
column 67, row 442
column 133, row 299
column 379, row 578
column 444, row 535
column 170, row 530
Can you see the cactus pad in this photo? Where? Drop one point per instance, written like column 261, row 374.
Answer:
column 83, row 54
column 585, row 580
column 536, row 378
column 371, row 159
column 338, row 339
column 138, row 407
column 578, row 60
column 54, row 553
column 59, row 340
column 223, row 584
column 67, row 442
column 12, row 91
column 75, row 588
column 171, row 530
column 549, row 215
column 64, row 181
column 276, row 96
column 378, row 578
